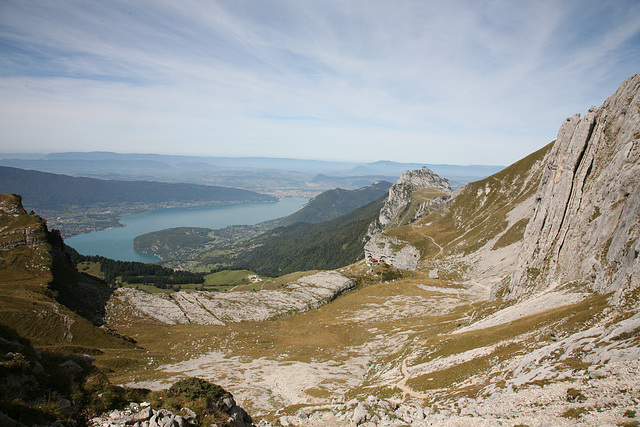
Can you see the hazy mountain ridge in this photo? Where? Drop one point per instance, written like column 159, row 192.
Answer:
column 47, row 191
column 382, row 167
column 332, row 204
column 63, row 198
column 280, row 177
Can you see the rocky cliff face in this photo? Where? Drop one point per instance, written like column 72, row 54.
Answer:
column 400, row 196
column 416, row 193
column 585, row 227
column 17, row 229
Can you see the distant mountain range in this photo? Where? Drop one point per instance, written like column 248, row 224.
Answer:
column 76, row 205
column 447, row 171
column 226, row 170
column 47, row 190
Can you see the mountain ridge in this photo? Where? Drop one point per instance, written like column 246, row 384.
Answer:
column 332, row 204
column 54, row 189
column 60, row 197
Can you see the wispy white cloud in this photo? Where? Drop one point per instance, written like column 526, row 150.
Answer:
column 454, row 82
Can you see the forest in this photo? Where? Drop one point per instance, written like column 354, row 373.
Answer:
column 301, row 246
column 137, row 272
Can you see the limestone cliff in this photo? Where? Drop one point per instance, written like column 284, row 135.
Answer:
column 17, row 229
column 417, row 193
column 399, row 210
column 585, row 226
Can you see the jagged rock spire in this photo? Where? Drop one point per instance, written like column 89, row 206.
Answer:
column 400, row 195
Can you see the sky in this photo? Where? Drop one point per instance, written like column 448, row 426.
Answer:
column 456, row 82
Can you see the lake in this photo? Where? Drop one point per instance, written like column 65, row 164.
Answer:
column 117, row 243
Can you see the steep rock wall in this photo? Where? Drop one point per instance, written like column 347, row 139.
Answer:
column 586, row 224
column 400, row 196
column 17, row 229
column 392, row 251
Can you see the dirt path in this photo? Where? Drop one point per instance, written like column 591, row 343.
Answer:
column 402, row 384
column 433, row 241
column 439, row 247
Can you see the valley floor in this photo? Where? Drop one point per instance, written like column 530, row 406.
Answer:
column 411, row 352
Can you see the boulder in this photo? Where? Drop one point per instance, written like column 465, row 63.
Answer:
column 71, row 366
column 393, row 251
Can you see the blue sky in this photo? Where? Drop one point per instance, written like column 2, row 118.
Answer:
column 459, row 82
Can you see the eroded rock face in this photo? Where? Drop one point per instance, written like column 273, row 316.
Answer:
column 212, row 308
column 586, row 224
column 400, row 196
column 17, row 229
column 393, row 251
column 11, row 204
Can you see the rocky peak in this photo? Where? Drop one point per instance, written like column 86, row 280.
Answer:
column 404, row 205
column 400, row 194
column 11, row 204
column 585, row 227
column 17, row 227
column 423, row 178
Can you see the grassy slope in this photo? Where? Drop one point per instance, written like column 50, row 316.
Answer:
column 299, row 247
column 477, row 213
column 31, row 302
column 418, row 197
column 335, row 203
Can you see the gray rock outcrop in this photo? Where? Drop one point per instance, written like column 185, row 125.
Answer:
column 400, row 196
column 213, row 308
column 31, row 235
column 401, row 208
column 585, row 227
column 393, row 251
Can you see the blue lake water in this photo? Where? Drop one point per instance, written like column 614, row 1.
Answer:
column 117, row 243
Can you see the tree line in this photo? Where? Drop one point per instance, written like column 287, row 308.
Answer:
column 137, row 272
